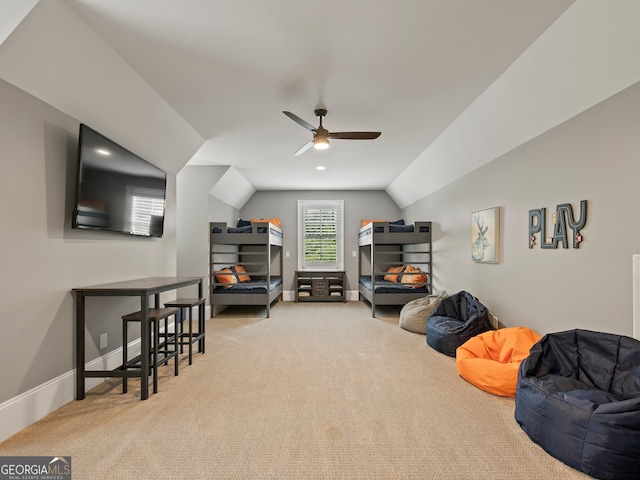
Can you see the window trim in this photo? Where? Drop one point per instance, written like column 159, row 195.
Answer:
column 338, row 205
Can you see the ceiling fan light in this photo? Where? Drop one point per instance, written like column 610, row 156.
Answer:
column 320, row 142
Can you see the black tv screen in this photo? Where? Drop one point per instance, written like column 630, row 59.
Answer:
column 117, row 190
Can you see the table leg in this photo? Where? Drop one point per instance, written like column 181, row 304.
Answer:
column 80, row 322
column 201, row 327
column 191, row 333
column 201, row 310
column 144, row 347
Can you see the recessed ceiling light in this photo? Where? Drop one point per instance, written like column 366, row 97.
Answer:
column 321, row 167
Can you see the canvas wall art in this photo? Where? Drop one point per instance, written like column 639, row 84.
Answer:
column 485, row 235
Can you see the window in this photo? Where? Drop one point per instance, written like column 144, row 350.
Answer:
column 320, row 244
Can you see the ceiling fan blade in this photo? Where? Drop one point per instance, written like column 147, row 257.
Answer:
column 303, row 148
column 300, row 121
column 354, row 135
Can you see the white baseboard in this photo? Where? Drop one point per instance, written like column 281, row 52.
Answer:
column 19, row 412
column 353, row 295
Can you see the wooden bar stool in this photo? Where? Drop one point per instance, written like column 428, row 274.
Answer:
column 190, row 337
column 163, row 345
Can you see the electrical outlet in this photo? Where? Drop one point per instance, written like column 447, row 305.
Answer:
column 354, row 254
column 495, row 321
column 287, row 254
column 103, row 341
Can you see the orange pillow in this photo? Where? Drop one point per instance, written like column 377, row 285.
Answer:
column 240, row 271
column 226, row 276
column 390, row 277
column 364, row 223
column 275, row 220
column 413, row 275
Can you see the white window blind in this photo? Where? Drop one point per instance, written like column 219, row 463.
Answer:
column 320, row 235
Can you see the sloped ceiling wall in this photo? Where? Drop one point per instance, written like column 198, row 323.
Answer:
column 52, row 54
column 233, row 189
column 586, row 56
column 13, row 12
column 589, row 54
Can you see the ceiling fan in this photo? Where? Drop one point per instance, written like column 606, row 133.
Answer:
column 321, row 135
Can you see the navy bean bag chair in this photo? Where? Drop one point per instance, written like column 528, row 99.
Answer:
column 455, row 320
column 578, row 397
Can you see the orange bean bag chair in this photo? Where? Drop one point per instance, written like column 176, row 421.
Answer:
column 490, row 361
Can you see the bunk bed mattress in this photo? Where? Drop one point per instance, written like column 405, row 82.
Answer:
column 395, row 228
column 392, row 229
column 245, row 229
column 250, row 287
column 383, row 286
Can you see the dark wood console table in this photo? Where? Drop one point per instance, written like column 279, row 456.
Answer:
column 320, row 286
column 144, row 288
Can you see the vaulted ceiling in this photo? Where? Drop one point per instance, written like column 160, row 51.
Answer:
column 451, row 84
column 229, row 68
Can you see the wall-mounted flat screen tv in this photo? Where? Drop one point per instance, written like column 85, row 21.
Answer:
column 116, row 190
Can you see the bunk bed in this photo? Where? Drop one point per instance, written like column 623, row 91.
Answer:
column 245, row 264
column 394, row 262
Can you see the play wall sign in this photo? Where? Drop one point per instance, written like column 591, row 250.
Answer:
column 35, row 468
column 562, row 218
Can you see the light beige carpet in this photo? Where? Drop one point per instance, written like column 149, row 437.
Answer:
column 317, row 391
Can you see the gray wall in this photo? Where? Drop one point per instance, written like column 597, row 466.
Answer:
column 594, row 156
column 43, row 258
column 196, row 208
column 358, row 205
column 193, row 206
